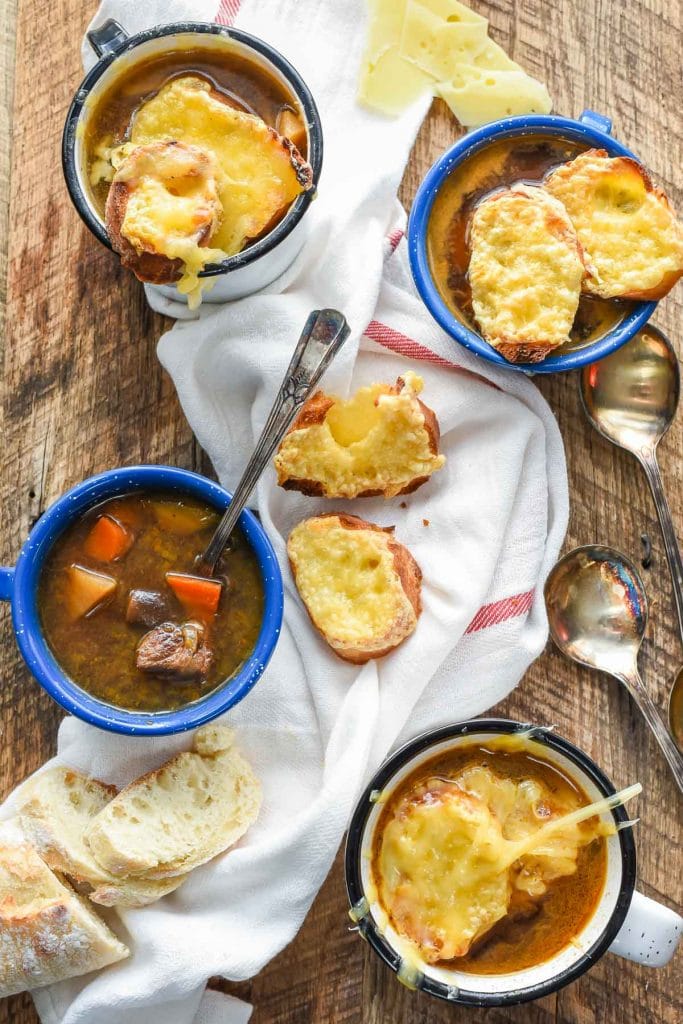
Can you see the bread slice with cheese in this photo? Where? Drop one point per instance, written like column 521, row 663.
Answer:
column 181, row 815
column 360, row 587
column 55, row 811
column 47, row 932
column 627, row 227
column 526, row 271
column 382, row 441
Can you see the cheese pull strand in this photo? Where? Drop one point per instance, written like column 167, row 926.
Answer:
column 523, row 846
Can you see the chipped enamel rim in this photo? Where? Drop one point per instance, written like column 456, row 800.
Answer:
column 504, row 989
column 20, row 586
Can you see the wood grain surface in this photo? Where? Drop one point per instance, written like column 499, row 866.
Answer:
column 82, row 391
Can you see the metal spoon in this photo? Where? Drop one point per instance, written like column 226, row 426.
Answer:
column 323, row 335
column 597, row 612
column 631, row 399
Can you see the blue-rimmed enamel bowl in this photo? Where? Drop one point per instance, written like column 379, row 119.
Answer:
column 19, row 586
column 592, row 130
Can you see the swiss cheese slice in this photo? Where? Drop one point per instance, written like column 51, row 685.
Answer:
column 435, row 45
column 477, row 95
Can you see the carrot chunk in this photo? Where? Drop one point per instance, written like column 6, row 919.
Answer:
column 87, row 590
column 198, row 596
column 108, row 541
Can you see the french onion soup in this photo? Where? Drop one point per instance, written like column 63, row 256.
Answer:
column 540, row 244
column 192, row 156
column 479, row 863
column 127, row 618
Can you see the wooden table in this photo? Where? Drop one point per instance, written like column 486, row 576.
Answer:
column 83, row 391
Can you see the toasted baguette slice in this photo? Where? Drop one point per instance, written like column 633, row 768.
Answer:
column 47, row 932
column 162, row 208
column 525, row 272
column 175, row 818
column 360, row 587
column 383, row 441
column 628, row 229
column 54, row 814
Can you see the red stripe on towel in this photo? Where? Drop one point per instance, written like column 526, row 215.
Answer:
column 394, row 238
column 227, row 12
column 387, row 337
column 501, row 611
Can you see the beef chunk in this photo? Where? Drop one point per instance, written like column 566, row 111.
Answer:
column 148, row 608
column 179, row 652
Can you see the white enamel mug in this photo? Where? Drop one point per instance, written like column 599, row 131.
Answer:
column 624, row 921
column 267, row 258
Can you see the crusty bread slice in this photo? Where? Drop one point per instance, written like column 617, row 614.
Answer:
column 47, row 932
column 382, row 441
column 526, row 269
column 54, row 813
column 626, row 226
column 360, row 587
column 175, row 818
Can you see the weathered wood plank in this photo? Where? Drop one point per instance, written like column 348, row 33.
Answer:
column 83, row 391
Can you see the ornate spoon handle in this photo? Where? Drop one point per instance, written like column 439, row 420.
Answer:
column 648, row 709
column 648, row 460
column 324, row 333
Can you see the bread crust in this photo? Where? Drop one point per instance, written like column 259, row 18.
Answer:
column 557, row 225
column 409, row 577
column 313, row 414
column 153, row 267
column 628, row 166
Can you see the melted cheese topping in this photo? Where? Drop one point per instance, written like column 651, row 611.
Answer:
column 525, row 269
column 453, row 851
column 630, row 233
column 349, row 584
column 255, row 178
column 375, row 441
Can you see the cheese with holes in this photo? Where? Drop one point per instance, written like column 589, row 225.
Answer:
column 441, row 47
column 436, row 46
column 477, row 95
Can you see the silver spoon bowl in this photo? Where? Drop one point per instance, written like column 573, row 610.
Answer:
column 631, row 398
column 597, row 613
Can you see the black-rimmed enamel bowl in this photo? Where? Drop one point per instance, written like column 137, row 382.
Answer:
column 268, row 257
column 468, row 989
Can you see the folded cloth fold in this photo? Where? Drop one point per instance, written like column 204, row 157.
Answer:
column 485, row 531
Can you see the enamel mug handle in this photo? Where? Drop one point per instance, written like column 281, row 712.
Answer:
column 592, row 119
column 6, row 583
column 650, row 934
column 108, row 38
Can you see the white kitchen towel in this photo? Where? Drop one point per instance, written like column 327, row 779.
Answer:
column 485, row 530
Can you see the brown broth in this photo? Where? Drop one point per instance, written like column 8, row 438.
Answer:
column 243, row 82
column 501, row 164
column 98, row 651
column 530, row 933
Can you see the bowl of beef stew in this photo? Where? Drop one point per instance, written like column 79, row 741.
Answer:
column 112, row 618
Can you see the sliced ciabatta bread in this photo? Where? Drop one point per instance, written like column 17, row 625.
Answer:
column 382, row 441
column 526, row 269
column 47, row 932
column 629, row 231
column 182, row 814
column 55, row 810
column 360, row 587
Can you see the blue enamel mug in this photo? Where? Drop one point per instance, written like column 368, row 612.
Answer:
column 19, row 586
column 592, row 130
